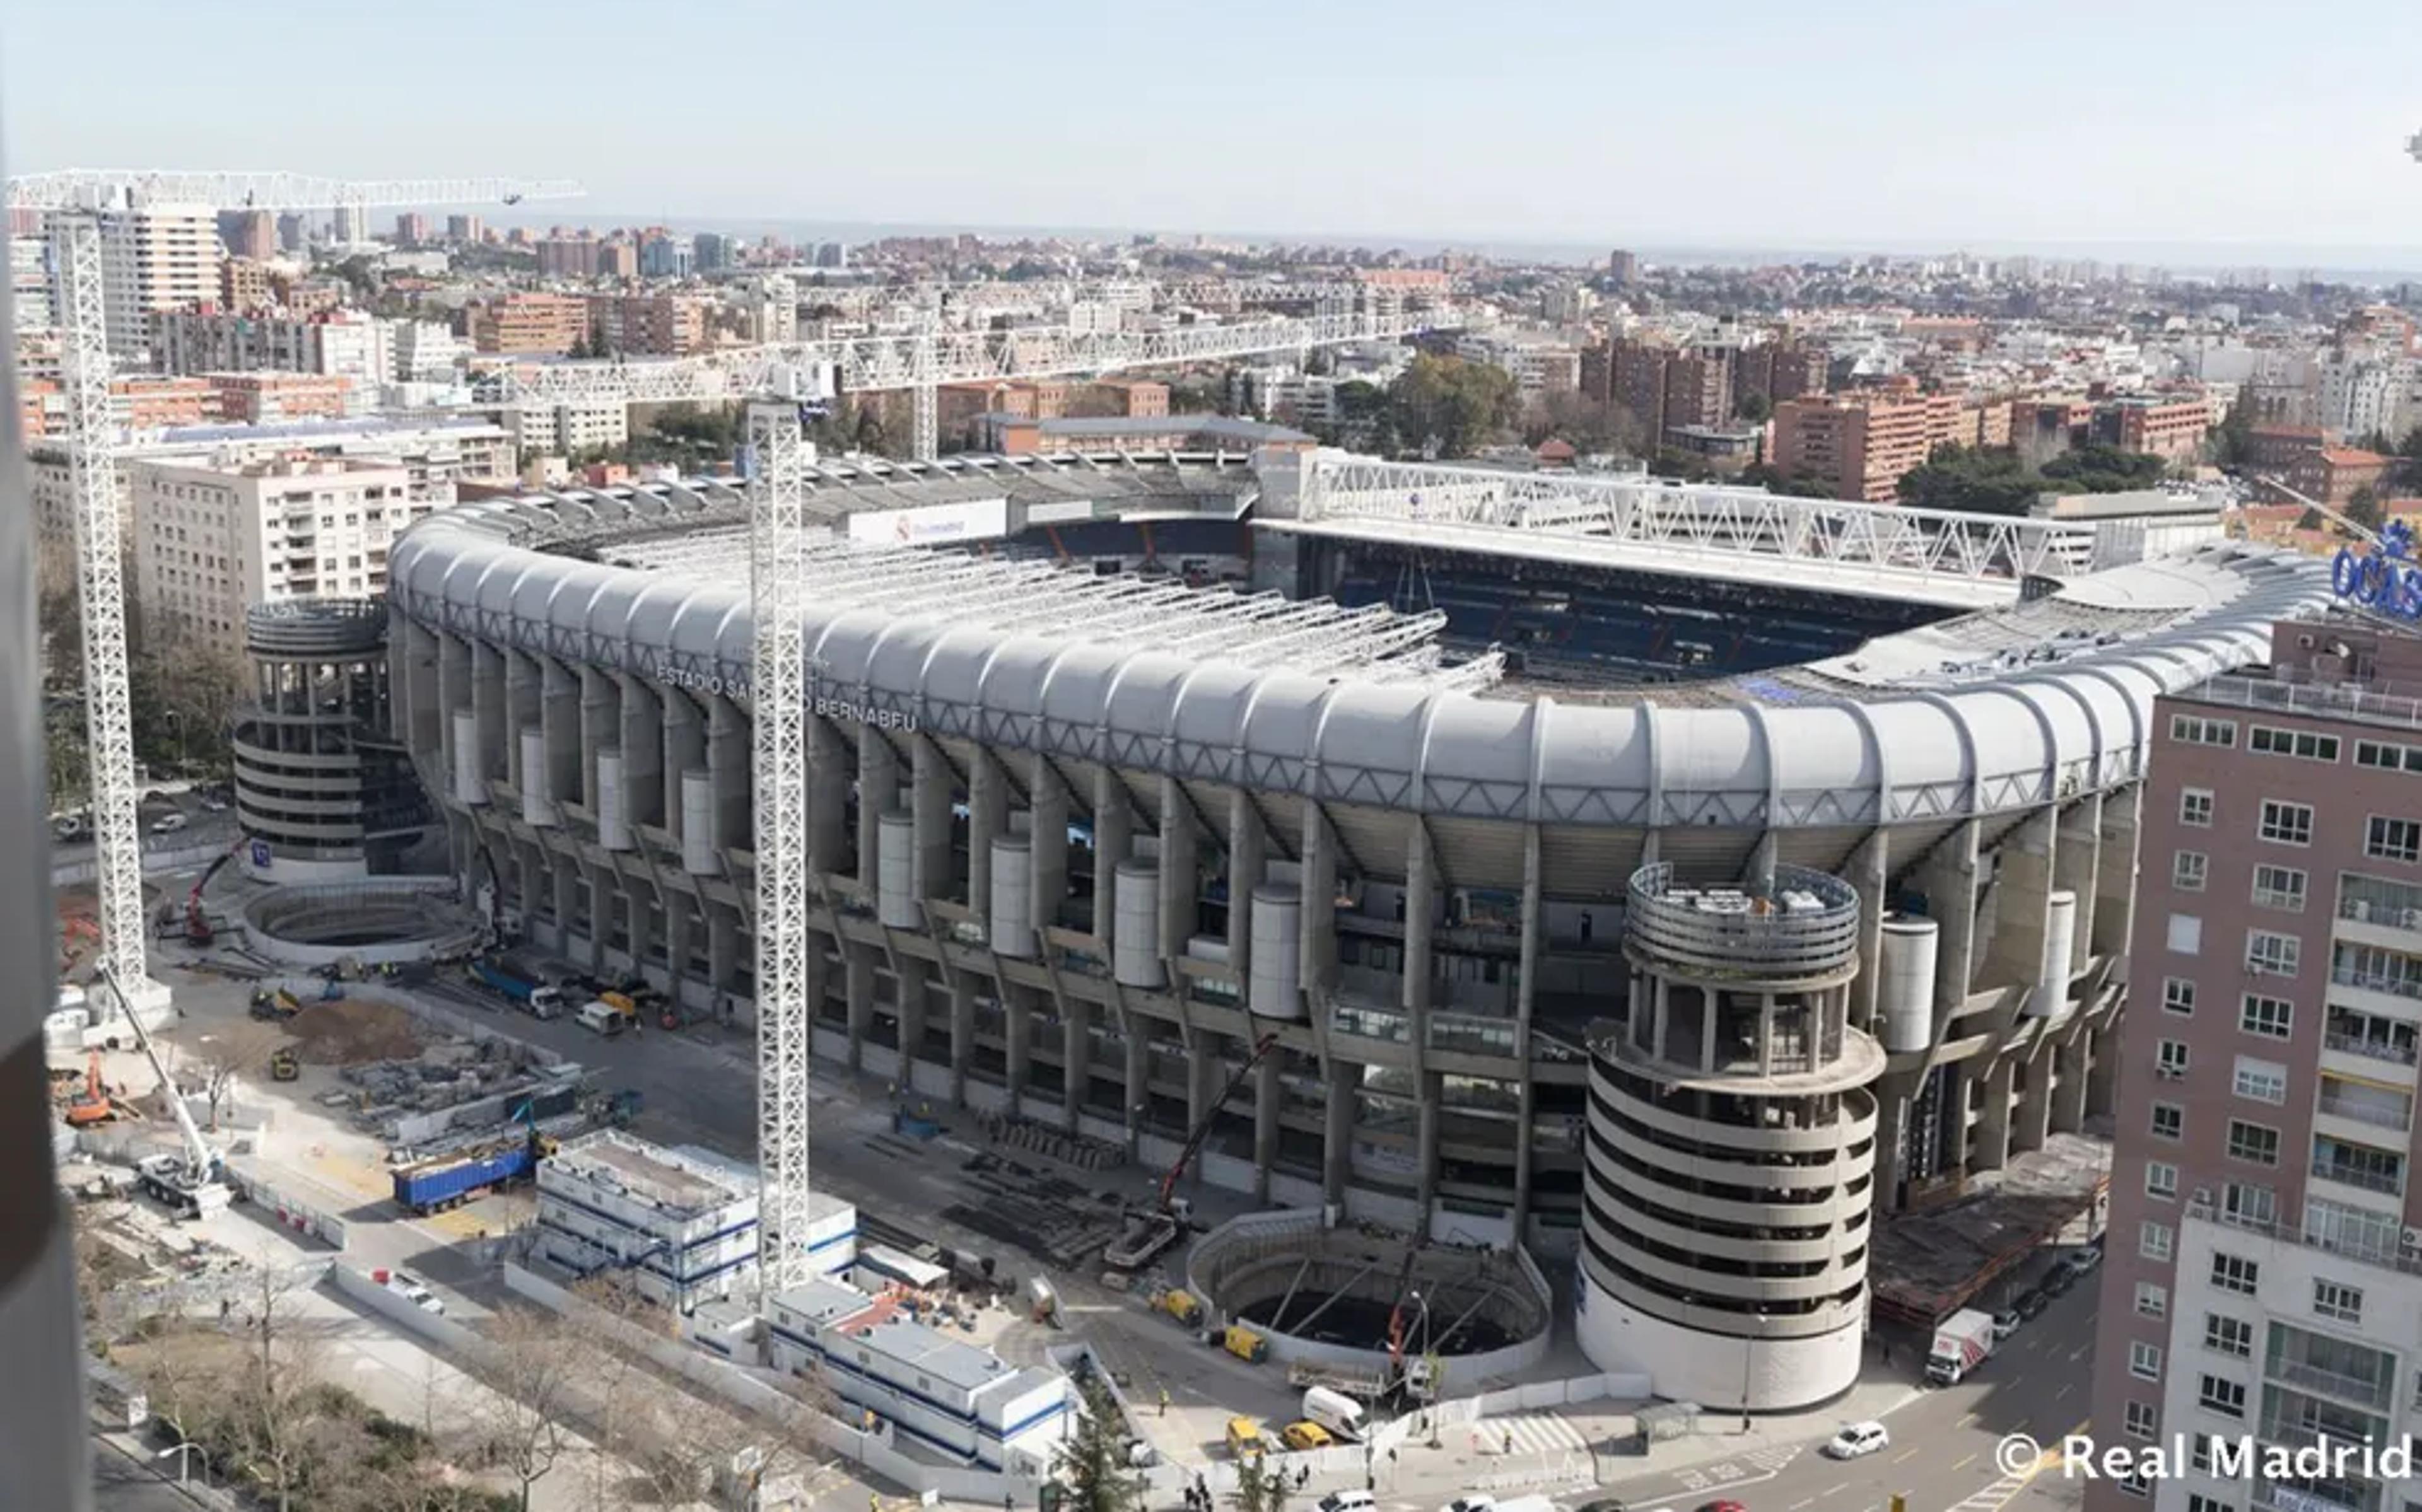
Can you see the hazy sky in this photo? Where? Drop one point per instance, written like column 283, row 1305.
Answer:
column 1744, row 122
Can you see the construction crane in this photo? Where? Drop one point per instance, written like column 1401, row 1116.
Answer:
column 1158, row 1228
column 194, row 1185
column 75, row 200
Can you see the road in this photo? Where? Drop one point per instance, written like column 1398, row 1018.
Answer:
column 123, row 1484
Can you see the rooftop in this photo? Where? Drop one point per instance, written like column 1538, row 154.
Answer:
column 1211, row 427
column 2269, row 689
column 645, row 1171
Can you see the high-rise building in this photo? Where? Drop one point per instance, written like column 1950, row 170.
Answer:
column 1699, row 387
column 568, row 256
column 547, row 326
column 771, row 304
column 1859, row 446
column 291, row 232
column 276, row 398
column 1622, row 267
column 347, row 344
column 1638, row 385
column 211, row 541
column 465, row 228
column 666, row 257
column 832, row 254
column 249, row 233
column 1798, row 372
column 244, row 287
column 660, row 325
column 156, row 258
column 29, row 282
column 618, row 258
column 2265, row 1253
column 714, row 251
column 412, row 229
column 353, row 225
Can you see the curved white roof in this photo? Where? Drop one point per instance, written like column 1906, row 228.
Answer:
column 1936, row 743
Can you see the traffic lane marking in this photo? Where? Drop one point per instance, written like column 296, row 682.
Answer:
column 1904, row 1457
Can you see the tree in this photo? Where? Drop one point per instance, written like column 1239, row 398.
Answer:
column 1092, row 1461
column 2100, row 469
column 1971, row 481
column 230, row 1055
column 1590, row 425
column 527, row 1424
column 2232, row 440
column 275, row 1404
column 1459, row 405
column 1755, row 409
column 1260, row 1488
column 2363, row 506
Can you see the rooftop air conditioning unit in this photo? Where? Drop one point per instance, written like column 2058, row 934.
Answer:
column 2360, row 910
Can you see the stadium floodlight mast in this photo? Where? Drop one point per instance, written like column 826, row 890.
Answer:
column 77, row 201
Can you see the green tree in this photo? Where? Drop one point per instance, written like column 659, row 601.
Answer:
column 1755, row 409
column 2100, row 469
column 2232, row 441
column 1260, row 1487
column 1971, row 481
column 2406, row 472
column 1460, row 405
column 2363, row 507
column 1092, row 1461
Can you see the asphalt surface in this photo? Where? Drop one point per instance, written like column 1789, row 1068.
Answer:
column 122, row 1484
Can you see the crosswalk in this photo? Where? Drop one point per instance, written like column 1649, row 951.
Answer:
column 1535, row 1433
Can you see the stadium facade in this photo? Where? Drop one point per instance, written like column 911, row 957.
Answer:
column 1081, row 841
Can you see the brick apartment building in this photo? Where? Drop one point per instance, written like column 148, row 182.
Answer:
column 535, row 325
column 654, row 325
column 1859, row 446
column 2264, row 1275
column 2332, row 474
column 271, row 397
column 2276, row 448
column 2170, row 426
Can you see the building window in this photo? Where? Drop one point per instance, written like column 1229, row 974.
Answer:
column 2197, row 1501
column 2169, row 1120
column 2256, row 1144
column 2188, row 869
column 2219, row 1394
column 2286, row 824
column 2338, row 1302
column 2143, row 1420
column 2170, row 1058
column 2195, row 807
column 2187, row 729
column 2269, row 740
column 2152, row 1300
column 2154, row 1240
column 2231, row 1272
column 2178, row 996
column 2279, row 887
column 2248, row 1205
column 2136, row 1483
column 2262, row 1080
column 2271, row 955
column 2161, row 1179
column 2273, row 1018
column 2145, row 1359
column 2387, row 756
column 2222, row 1335
column 2393, row 839
column 2186, row 933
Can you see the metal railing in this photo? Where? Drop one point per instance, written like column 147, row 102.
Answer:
column 2378, row 1050
column 2366, row 1113
column 2375, row 1394
column 2405, row 1262
column 2355, row 1177
column 2330, row 700
column 2372, row 900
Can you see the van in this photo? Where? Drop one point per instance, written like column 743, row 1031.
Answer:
column 603, row 1018
column 1306, row 1435
column 1245, row 1437
column 1336, row 1411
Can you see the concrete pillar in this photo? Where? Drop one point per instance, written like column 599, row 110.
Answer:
column 642, row 737
column 878, row 790
column 1337, row 1141
column 1047, row 839
column 857, row 983
column 723, row 952
column 1076, row 1058
column 1433, row 1091
column 2115, row 901
column 1266, row 1121
column 564, row 873
column 523, row 703
column 1948, row 879
column 1420, row 904
column 1017, row 1030
column 1891, row 1114
column 986, row 802
column 1181, row 887
column 1318, row 928
column 559, row 730
column 683, row 744
column 1990, row 1147
column 2022, row 899
column 828, row 779
column 730, row 757
column 601, row 724
column 963, row 1033
column 1113, row 823
column 2031, row 1123
column 914, row 989
column 2069, row 1093
column 1532, row 907
column 1765, row 1033
column 1865, row 874
column 2077, row 865
column 2101, row 1072
column 930, row 787
column 1248, row 846
column 1136, row 1087
column 638, row 898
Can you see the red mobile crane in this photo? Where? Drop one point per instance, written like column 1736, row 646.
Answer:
column 1157, row 1230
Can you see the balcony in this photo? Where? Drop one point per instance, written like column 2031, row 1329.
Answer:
column 2370, row 1048
column 2339, row 1105
column 2360, row 1178
column 2380, row 904
column 2402, row 1260
column 2345, row 1388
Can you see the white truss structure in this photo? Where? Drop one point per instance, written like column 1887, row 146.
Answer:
column 1837, row 538
column 1140, row 613
column 109, row 725
column 131, row 188
column 778, row 547
column 920, row 359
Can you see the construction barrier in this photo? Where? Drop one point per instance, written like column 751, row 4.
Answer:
column 283, row 1200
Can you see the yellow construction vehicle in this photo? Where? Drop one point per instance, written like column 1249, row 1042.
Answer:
column 1181, row 1306
column 283, row 1067
column 1243, row 1344
column 1245, row 1440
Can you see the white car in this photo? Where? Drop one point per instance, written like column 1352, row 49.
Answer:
column 169, row 823
column 1353, row 1500
column 1476, row 1502
column 410, row 1287
column 1857, row 1440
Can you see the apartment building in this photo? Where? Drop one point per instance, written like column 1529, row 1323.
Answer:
column 273, row 398
column 465, row 228
column 656, row 325
column 1859, row 446
column 566, row 429
column 2265, row 1240
column 412, row 229
column 2333, row 473
column 244, row 286
column 213, row 538
column 249, row 233
column 154, row 258
column 1698, row 389
column 536, row 325
column 337, row 344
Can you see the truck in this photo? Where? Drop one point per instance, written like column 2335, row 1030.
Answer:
column 519, row 982
column 1962, row 1342
column 444, row 1182
column 1340, row 1414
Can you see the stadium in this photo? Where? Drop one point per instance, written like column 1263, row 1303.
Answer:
column 1684, row 880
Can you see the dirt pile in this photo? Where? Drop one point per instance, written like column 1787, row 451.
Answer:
column 347, row 1033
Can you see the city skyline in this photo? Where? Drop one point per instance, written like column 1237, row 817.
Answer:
column 1817, row 132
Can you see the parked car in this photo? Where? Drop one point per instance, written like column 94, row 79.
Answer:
column 1857, row 1441
column 215, row 804
column 414, row 1290
column 2083, row 1260
column 1476, row 1502
column 2005, row 1323
column 2030, row 1304
column 1348, row 1501
column 1306, row 1434
column 1721, row 1506
column 2057, row 1281
column 169, row 823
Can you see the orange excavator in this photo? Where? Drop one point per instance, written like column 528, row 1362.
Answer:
column 90, row 1103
